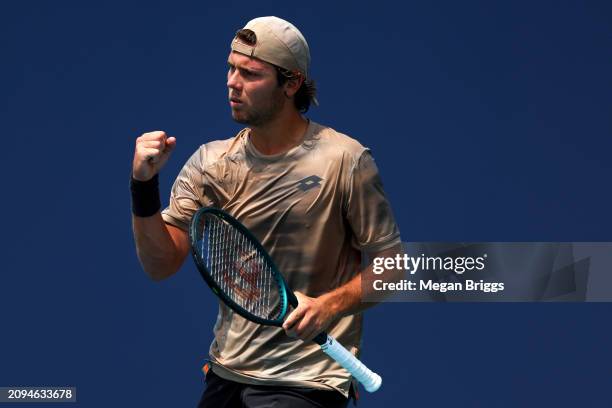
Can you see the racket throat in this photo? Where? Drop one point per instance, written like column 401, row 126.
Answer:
column 321, row 338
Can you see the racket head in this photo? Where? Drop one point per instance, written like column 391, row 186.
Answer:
column 237, row 268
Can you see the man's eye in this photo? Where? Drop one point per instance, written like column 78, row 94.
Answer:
column 243, row 72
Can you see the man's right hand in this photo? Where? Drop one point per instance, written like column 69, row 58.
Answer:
column 152, row 151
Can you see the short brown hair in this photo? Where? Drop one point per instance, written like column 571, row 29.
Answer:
column 308, row 90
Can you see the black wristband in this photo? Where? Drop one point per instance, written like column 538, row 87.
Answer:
column 145, row 197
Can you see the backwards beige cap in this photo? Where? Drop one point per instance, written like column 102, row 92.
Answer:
column 278, row 42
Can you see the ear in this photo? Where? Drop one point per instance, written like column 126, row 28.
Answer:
column 293, row 85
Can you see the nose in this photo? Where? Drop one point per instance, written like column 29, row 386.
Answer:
column 233, row 81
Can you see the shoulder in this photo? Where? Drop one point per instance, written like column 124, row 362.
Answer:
column 211, row 152
column 335, row 144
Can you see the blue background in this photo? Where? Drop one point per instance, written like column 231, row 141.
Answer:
column 489, row 121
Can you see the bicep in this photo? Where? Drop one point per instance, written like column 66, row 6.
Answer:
column 180, row 239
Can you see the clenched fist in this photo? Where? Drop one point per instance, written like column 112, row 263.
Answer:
column 151, row 153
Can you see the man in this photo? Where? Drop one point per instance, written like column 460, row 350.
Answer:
column 311, row 195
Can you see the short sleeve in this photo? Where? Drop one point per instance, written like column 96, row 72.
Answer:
column 368, row 211
column 186, row 195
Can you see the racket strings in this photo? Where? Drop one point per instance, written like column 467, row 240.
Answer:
column 239, row 269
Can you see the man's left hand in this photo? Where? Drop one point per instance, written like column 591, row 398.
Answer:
column 311, row 317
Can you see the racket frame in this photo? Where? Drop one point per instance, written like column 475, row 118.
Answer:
column 285, row 295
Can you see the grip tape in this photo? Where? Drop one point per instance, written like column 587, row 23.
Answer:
column 370, row 380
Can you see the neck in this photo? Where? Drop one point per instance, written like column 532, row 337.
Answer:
column 280, row 134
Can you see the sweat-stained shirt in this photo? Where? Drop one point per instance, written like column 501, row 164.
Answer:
column 314, row 208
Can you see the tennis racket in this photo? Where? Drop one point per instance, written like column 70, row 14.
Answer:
column 241, row 273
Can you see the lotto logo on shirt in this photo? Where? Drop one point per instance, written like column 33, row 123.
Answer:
column 309, row 183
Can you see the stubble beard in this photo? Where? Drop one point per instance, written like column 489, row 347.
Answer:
column 258, row 117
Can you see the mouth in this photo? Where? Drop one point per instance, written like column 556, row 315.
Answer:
column 235, row 101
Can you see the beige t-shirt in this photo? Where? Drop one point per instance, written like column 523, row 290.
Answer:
column 313, row 208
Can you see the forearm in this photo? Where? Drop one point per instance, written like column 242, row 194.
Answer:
column 155, row 247
column 161, row 248
column 348, row 298
column 314, row 315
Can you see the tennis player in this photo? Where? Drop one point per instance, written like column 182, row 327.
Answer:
column 313, row 198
